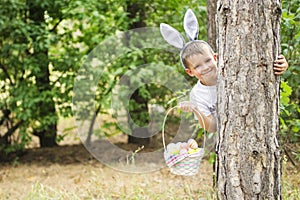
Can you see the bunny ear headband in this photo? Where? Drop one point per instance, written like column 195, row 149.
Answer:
column 174, row 38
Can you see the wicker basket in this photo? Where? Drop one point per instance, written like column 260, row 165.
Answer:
column 185, row 164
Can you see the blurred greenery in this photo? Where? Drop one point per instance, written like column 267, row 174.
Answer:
column 44, row 45
column 290, row 84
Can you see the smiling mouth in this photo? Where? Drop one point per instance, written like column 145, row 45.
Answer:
column 206, row 72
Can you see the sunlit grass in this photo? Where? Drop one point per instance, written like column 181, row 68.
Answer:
column 290, row 183
column 41, row 192
column 142, row 187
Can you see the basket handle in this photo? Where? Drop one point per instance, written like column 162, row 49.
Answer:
column 163, row 126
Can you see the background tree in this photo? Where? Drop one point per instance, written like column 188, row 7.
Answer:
column 45, row 107
column 139, row 111
column 248, row 97
column 211, row 7
column 27, row 100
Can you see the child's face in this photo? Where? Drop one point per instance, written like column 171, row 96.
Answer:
column 204, row 67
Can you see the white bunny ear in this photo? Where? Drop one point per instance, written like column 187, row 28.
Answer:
column 191, row 25
column 172, row 36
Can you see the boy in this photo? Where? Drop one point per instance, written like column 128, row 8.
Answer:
column 200, row 61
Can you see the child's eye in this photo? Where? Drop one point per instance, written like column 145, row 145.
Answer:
column 208, row 60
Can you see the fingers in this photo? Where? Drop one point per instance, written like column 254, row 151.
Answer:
column 280, row 56
column 186, row 106
column 278, row 72
column 280, row 65
column 279, row 69
column 280, row 59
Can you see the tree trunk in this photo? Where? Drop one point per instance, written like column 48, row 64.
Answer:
column 47, row 133
column 248, row 160
column 139, row 135
column 211, row 7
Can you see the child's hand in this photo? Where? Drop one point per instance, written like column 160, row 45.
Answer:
column 280, row 65
column 187, row 106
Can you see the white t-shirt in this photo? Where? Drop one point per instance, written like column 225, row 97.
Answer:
column 205, row 97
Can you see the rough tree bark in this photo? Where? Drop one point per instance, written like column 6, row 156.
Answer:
column 211, row 8
column 211, row 23
column 248, row 160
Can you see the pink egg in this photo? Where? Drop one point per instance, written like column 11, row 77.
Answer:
column 183, row 151
column 184, row 145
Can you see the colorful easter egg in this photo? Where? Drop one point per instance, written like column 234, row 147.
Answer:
column 191, row 151
column 184, row 145
column 178, row 145
column 193, row 144
column 183, row 151
column 172, row 148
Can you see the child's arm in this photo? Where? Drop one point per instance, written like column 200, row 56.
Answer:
column 209, row 123
column 280, row 65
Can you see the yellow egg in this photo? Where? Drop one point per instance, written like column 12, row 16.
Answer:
column 191, row 151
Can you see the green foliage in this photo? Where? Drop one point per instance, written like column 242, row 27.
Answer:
column 42, row 51
column 24, row 86
column 290, row 87
column 129, row 64
column 70, row 30
column 290, row 122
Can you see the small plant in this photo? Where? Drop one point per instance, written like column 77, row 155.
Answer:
column 130, row 158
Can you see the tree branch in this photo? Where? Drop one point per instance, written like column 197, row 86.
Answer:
column 6, row 113
column 13, row 129
column 6, row 73
column 56, row 25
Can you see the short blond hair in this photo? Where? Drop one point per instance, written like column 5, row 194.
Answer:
column 195, row 47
